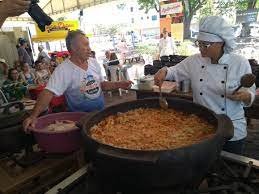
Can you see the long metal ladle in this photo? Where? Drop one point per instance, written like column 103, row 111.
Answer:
column 246, row 81
column 162, row 101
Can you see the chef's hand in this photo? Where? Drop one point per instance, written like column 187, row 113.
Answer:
column 125, row 85
column 10, row 8
column 160, row 76
column 243, row 96
column 29, row 123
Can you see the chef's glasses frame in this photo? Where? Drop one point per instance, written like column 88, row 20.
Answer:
column 202, row 44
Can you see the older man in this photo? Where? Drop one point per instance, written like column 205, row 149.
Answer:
column 43, row 55
column 78, row 78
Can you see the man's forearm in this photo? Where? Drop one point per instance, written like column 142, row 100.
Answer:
column 42, row 102
column 106, row 85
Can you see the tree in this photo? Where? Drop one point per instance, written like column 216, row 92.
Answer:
column 190, row 8
column 206, row 10
column 149, row 4
column 226, row 7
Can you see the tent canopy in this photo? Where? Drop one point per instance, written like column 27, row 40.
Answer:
column 53, row 7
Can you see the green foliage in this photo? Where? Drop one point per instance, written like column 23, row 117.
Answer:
column 225, row 7
column 147, row 49
column 184, row 48
column 149, row 4
column 207, row 9
column 111, row 30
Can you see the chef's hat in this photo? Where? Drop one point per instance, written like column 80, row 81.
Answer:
column 216, row 29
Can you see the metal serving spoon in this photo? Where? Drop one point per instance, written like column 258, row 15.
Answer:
column 162, row 101
column 246, row 81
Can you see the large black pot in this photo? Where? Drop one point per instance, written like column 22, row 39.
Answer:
column 12, row 137
column 183, row 167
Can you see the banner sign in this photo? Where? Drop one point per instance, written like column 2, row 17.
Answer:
column 247, row 16
column 56, row 31
column 171, row 8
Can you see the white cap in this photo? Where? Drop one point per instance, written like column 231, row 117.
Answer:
column 216, row 29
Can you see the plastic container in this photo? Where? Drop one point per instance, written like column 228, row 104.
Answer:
column 58, row 141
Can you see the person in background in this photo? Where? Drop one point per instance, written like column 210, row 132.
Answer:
column 123, row 50
column 79, row 78
column 27, row 75
column 17, row 65
column 13, row 76
column 13, row 88
column 43, row 55
column 173, row 45
column 3, row 71
column 47, row 66
column 215, row 73
column 166, row 45
column 24, row 57
column 53, row 64
column 105, row 64
column 12, row 8
column 42, row 75
column 29, row 51
column 113, row 66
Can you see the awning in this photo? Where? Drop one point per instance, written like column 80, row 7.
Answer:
column 53, row 7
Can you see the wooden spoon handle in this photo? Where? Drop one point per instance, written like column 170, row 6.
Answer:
column 237, row 89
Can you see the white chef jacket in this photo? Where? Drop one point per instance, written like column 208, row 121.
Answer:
column 212, row 82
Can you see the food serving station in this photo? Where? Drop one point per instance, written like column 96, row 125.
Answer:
column 199, row 168
column 73, row 162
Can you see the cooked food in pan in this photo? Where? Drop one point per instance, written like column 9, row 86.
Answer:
column 152, row 129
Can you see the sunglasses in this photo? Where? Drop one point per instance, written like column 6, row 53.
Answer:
column 201, row 44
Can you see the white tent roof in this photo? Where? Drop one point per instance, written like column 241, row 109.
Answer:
column 52, row 7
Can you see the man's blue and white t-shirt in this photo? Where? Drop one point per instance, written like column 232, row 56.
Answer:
column 82, row 88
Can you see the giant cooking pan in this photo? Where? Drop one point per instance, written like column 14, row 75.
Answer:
column 183, row 167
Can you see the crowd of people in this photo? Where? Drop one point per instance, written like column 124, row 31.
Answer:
column 25, row 71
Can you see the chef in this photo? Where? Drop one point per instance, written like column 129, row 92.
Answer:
column 166, row 45
column 215, row 73
column 79, row 78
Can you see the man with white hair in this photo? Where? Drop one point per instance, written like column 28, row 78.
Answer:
column 215, row 73
column 79, row 78
column 43, row 55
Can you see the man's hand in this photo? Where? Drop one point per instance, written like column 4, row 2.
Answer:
column 243, row 96
column 29, row 123
column 160, row 76
column 10, row 8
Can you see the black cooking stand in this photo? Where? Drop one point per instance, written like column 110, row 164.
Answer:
column 228, row 176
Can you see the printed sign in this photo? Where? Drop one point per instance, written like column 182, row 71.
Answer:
column 171, row 8
column 247, row 16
